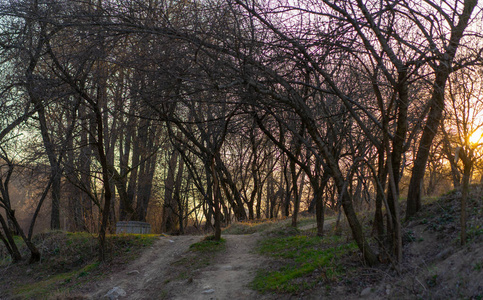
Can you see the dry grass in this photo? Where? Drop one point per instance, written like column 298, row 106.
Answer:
column 69, row 260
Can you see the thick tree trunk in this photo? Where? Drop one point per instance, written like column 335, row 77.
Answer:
column 437, row 103
column 319, row 210
column 126, row 211
column 169, row 207
column 177, row 195
column 145, row 187
column 369, row 256
column 380, row 183
column 125, row 144
column 413, row 204
column 106, row 174
column 134, row 177
column 9, row 241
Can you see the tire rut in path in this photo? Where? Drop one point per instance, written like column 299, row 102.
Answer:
column 145, row 277
column 228, row 276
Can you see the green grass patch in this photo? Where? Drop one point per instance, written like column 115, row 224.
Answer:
column 128, row 244
column 200, row 255
column 303, row 262
column 43, row 289
column 209, row 245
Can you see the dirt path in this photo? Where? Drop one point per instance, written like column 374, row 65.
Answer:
column 228, row 277
column 225, row 278
column 144, row 278
column 327, row 223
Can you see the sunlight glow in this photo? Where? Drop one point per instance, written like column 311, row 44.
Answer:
column 476, row 137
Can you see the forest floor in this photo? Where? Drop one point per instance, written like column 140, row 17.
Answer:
column 435, row 266
column 170, row 271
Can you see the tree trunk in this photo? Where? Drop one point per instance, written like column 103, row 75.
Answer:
column 54, row 168
column 169, row 207
column 9, row 241
column 295, row 192
column 177, row 195
column 318, row 185
column 226, row 178
column 369, row 256
column 413, row 204
column 34, row 252
column 468, row 165
column 270, row 192
column 437, row 103
column 145, row 187
column 216, row 202
column 85, row 163
column 380, row 183
column 107, row 188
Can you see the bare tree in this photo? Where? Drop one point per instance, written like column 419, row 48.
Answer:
column 464, row 129
column 444, row 48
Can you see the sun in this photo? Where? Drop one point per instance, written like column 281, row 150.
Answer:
column 476, row 137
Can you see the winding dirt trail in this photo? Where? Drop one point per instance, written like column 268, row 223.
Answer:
column 225, row 278
column 228, row 277
column 144, row 278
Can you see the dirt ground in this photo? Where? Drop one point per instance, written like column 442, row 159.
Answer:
column 150, row 276
column 227, row 277
column 153, row 275
column 434, row 268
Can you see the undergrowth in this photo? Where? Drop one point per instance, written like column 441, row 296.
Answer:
column 68, row 260
column 265, row 225
column 302, row 262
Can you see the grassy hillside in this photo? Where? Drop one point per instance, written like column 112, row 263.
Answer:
column 435, row 266
column 69, row 260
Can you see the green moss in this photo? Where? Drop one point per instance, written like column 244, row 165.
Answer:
column 44, row 288
column 304, row 262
